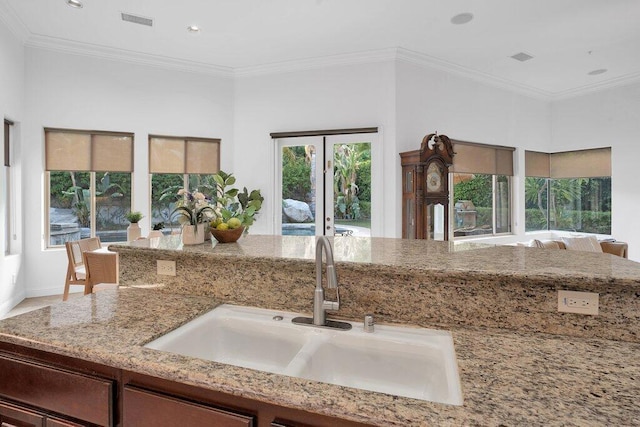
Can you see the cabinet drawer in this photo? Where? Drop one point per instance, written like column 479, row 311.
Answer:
column 76, row 395
column 144, row 408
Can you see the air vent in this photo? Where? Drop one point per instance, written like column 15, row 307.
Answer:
column 522, row 57
column 137, row 19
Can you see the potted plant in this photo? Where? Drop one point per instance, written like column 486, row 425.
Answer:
column 193, row 213
column 133, row 230
column 234, row 210
column 156, row 230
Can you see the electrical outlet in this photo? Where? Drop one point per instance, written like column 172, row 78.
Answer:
column 166, row 268
column 578, row 302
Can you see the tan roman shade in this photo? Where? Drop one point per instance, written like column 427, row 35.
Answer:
column 112, row 153
column 537, row 164
column 581, row 164
column 482, row 158
column 593, row 163
column 203, row 157
column 184, row 155
column 67, row 150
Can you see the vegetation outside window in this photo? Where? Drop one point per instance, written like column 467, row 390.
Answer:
column 568, row 191
column 179, row 162
column 89, row 184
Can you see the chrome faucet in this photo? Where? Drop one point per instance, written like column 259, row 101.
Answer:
column 320, row 305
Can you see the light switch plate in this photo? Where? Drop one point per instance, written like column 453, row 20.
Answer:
column 578, row 302
column 166, row 268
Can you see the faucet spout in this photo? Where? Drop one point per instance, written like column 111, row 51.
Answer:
column 320, row 305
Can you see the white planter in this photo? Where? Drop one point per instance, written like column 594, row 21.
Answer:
column 190, row 237
column 133, row 232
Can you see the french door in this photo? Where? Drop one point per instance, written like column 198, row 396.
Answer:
column 324, row 185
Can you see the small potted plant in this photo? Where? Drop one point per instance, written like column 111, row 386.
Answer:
column 193, row 210
column 133, row 231
column 234, row 210
column 156, row 230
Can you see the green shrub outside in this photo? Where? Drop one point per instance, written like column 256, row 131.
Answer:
column 582, row 221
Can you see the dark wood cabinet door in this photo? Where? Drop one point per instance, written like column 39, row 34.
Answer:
column 144, row 408
column 15, row 416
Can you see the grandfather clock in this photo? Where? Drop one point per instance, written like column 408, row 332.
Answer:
column 425, row 189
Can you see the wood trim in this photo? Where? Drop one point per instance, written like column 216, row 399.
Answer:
column 298, row 134
column 185, row 138
column 92, row 132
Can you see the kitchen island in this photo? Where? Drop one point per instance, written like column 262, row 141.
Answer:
column 509, row 375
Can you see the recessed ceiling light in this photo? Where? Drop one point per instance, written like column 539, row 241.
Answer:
column 598, row 71
column 193, row 29
column 75, row 3
column 462, row 18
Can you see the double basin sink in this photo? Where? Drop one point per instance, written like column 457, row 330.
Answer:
column 411, row 362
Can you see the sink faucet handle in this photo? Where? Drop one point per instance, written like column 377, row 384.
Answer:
column 369, row 323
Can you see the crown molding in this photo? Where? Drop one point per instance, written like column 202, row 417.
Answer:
column 98, row 51
column 426, row 61
column 380, row 55
column 13, row 22
column 597, row 87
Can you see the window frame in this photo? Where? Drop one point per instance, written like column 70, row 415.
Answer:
column 92, row 180
column 494, row 202
column 9, row 208
column 185, row 168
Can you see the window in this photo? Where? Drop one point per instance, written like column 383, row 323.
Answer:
column 568, row 191
column 179, row 162
column 481, row 189
column 9, row 214
column 89, row 184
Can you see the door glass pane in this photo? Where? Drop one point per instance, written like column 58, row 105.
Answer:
column 299, row 190
column 69, row 206
column 352, row 189
column 113, row 201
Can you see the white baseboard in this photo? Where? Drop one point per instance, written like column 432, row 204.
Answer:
column 45, row 292
column 6, row 306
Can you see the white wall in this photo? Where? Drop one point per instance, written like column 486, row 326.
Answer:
column 603, row 119
column 336, row 97
column 78, row 92
column 11, row 107
column 430, row 100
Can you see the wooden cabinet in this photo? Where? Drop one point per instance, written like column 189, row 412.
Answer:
column 12, row 415
column 48, row 390
column 425, row 189
column 145, row 408
column 53, row 393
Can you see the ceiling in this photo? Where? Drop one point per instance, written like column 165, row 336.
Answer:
column 567, row 38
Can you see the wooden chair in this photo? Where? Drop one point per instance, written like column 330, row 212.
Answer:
column 76, row 273
column 75, row 269
column 102, row 271
column 90, row 244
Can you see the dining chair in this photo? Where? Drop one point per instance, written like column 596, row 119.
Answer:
column 102, row 271
column 90, row 244
column 76, row 273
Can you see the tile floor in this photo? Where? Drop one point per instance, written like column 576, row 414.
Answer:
column 29, row 304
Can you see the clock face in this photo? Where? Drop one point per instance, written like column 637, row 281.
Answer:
column 434, row 178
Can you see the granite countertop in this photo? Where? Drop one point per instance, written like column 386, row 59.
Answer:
column 507, row 377
column 477, row 258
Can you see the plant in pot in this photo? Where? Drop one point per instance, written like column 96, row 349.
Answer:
column 133, row 230
column 234, row 210
column 193, row 212
column 156, row 230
